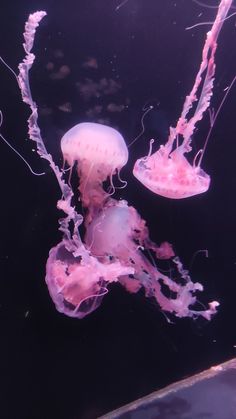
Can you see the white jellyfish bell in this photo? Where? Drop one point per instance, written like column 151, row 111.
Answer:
column 100, row 152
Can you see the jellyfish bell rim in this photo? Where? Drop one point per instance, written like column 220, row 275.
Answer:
column 84, row 140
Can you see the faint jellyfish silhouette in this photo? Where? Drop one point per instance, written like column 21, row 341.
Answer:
column 167, row 172
column 119, row 232
column 100, row 151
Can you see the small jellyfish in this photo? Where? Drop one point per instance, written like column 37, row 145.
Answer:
column 167, row 172
column 100, row 151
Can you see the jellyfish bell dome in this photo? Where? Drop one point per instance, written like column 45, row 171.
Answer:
column 171, row 176
column 100, row 152
column 111, row 232
column 95, row 143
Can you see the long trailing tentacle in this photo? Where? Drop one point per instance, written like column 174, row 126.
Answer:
column 34, row 130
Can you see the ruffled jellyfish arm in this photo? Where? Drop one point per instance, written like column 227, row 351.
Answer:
column 183, row 296
column 184, row 126
column 34, row 130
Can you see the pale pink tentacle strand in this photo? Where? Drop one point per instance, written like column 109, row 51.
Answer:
column 34, row 130
column 185, row 127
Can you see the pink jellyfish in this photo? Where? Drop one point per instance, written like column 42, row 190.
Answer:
column 78, row 274
column 167, row 172
column 76, row 279
column 120, row 234
column 100, row 151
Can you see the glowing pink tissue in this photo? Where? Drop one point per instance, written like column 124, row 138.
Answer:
column 117, row 246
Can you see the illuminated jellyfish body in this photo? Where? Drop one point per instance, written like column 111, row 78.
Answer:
column 120, row 233
column 167, row 172
column 78, row 274
column 100, row 151
column 77, row 281
column 171, row 175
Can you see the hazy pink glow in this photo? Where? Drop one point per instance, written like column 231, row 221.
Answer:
column 117, row 244
column 167, row 172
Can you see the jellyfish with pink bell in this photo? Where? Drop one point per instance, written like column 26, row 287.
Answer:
column 78, row 274
column 76, row 279
column 120, row 234
column 167, row 172
column 99, row 152
column 115, row 233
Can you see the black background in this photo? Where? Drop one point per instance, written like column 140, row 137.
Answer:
column 56, row 367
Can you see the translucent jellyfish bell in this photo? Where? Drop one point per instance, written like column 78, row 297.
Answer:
column 96, row 143
column 171, row 175
column 100, row 152
column 77, row 281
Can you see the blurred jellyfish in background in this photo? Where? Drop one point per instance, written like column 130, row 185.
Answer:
column 116, row 246
column 99, row 97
